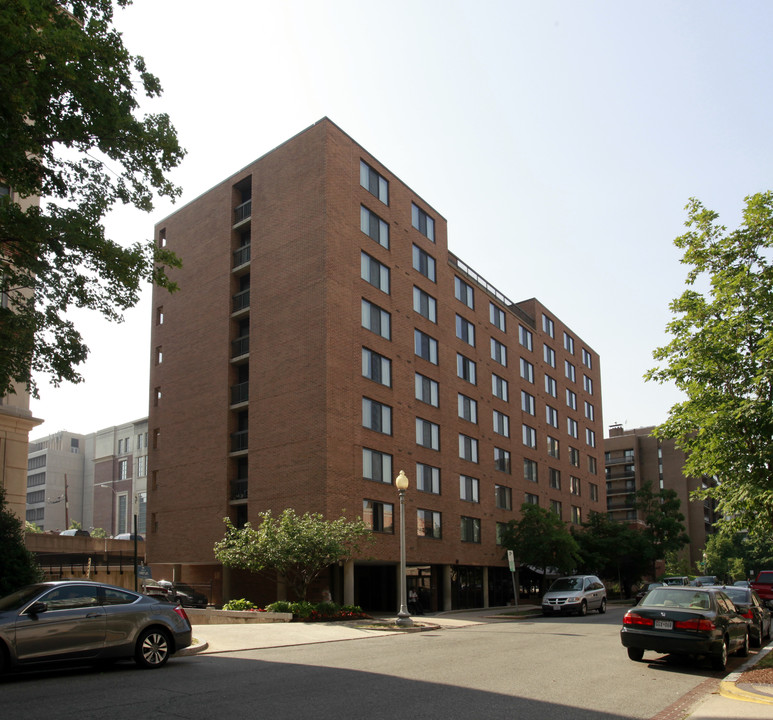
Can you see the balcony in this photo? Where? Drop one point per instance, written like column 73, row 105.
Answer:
column 240, row 346
column 242, row 212
column 618, row 460
column 241, row 301
column 239, row 441
column 239, row 489
column 242, row 256
column 240, row 393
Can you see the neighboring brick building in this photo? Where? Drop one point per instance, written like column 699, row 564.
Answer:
column 324, row 338
column 633, row 458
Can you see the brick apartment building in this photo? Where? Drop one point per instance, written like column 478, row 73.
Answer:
column 324, row 338
column 633, row 458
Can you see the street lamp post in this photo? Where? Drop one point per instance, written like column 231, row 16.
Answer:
column 403, row 616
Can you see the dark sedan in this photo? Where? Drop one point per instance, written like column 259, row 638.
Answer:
column 78, row 621
column 686, row 621
column 185, row 594
column 757, row 616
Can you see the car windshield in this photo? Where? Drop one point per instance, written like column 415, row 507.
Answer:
column 17, row 600
column 567, row 583
column 666, row 597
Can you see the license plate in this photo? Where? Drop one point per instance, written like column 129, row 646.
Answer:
column 664, row 624
column 556, row 608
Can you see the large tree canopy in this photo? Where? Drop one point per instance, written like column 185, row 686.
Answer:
column 721, row 357
column 71, row 133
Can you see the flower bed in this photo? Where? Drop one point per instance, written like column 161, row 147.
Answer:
column 302, row 611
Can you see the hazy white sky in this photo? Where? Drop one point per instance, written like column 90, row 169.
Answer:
column 560, row 139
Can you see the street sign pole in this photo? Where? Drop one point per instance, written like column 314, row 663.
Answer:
column 513, row 574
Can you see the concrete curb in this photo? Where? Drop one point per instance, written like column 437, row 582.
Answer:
column 192, row 649
column 728, row 687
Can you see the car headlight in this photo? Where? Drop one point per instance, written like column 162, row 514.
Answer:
column 572, row 599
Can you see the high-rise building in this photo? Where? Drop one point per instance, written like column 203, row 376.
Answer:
column 323, row 339
column 634, row 458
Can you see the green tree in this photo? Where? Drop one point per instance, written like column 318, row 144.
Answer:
column 297, row 547
column 721, row 357
column 720, row 555
column 70, row 133
column 663, row 521
column 542, row 540
column 613, row 550
column 18, row 566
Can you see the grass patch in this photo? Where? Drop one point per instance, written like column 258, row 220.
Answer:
column 766, row 662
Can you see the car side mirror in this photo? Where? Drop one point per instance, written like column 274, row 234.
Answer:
column 36, row 608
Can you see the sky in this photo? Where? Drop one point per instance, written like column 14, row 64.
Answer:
column 560, row 140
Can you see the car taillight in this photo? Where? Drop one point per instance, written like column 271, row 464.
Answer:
column 181, row 612
column 699, row 624
column 749, row 615
column 632, row 618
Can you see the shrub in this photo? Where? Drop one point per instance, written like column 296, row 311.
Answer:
column 240, row 604
column 280, row 606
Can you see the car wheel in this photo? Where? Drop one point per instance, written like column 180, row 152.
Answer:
column 719, row 661
column 603, row 606
column 152, row 649
column 635, row 654
column 583, row 611
column 743, row 651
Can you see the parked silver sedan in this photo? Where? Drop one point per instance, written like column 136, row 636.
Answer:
column 79, row 621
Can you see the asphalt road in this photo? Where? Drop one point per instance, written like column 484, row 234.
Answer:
column 543, row 668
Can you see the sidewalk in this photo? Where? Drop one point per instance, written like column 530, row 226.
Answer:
column 731, row 701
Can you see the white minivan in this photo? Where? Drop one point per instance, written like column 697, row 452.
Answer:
column 575, row 594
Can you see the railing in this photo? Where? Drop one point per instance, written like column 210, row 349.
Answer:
column 243, row 211
column 619, row 460
column 241, row 300
column 240, row 393
column 242, row 255
column 239, row 489
column 239, row 440
column 240, row 346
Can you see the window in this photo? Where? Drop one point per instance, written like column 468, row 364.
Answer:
column 574, row 457
column 571, row 427
column 123, row 469
column 376, row 416
column 550, row 386
column 38, row 496
column 525, row 337
column 549, row 355
column 468, row 448
column 590, row 437
column 530, row 470
column 501, row 530
column 576, row 515
column 427, row 390
column 376, row 367
column 424, row 263
column 425, row 346
column 568, row 343
column 160, row 315
column 374, row 227
column 427, row 434
column 422, row 222
column 569, row 371
column 551, row 416
column 571, row 399
column 529, row 436
column 499, row 387
column 427, row 479
column 590, row 411
column 592, row 465
column 548, row 326
column 376, row 466
column 497, row 316
column 531, row 499
column 587, row 383
column 424, row 304
column 465, row 368
column 376, row 320
column 555, row 508
column 498, row 352
column 463, row 292
column 574, row 485
column 502, row 460
column 527, row 403
column 372, row 271
column 553, row 447
column 470, row 530
column 159, row 355
column 587, row 359
column 428, row 524
column 36, row 479
column 554, row 477
column 465, row 330
column 594, row 492
column 503, row 497
column 120, row 446
column 378, row 516
column 374, row 183
column 501, row 424
column 468, row 408
column 527, row 371
column 469, row 488
column 142, row 466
